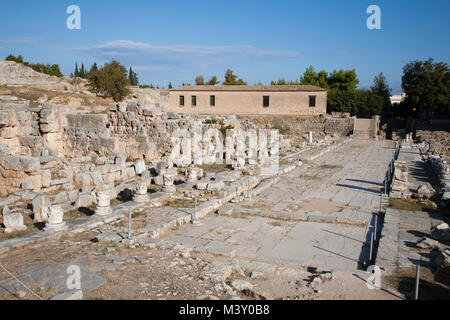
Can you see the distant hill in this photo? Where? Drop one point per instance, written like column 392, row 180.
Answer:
column 17, row 74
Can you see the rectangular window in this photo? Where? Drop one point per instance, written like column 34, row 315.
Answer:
column 194, row 101
column 266, row 101
column 181, row 101
column 212, row 101
column 312, row 101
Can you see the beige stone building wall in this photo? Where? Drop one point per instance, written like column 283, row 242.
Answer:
column 249, row 101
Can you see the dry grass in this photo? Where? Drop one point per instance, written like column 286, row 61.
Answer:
column 415, row 205
column 216, row 168
column 432, row 286
column 32, row 94
column 178, row 203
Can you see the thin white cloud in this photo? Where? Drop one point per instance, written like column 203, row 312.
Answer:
column 18, row 40
column 149, row 56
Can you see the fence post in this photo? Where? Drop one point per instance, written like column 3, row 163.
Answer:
column 129, row 223
column 385, row 184
column 195, row 210
column 381, row 201
column 371, row 248
column 375, row 227
column 416, row 288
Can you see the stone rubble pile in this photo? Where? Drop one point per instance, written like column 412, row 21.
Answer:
column 442, row 172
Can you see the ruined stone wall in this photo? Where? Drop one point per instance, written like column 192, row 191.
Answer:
column 88, row 133
column 19, row 129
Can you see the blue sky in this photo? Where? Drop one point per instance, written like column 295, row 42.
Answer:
column 260, row 40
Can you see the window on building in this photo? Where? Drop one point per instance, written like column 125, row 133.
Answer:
column 312, row 101
column 212, row 101
column 194, row 101
column 266, row 101
column 181, row 101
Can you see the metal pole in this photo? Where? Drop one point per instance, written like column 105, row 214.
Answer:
column 194, row 218
column 416, row 291
column 385, row 185
column 376, row 223
column 129, row 223
column 381, row 201
column 371, row 247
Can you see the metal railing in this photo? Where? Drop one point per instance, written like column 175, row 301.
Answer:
column 378, row 216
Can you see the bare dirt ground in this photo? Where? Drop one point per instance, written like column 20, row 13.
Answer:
column 79, row 100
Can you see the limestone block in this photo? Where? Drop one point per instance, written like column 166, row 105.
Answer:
column 139, row 166
column 202, row 185
column 168, row 180
column 32, row 183
column 55, row 215
column 141, row 192
column 159, row 180
column 40, row 204
column 46, row 178
column 109, row 177
column 55, row 219
column 97, row 178
column 128, row 172
column 441, row 232
column 13, row 222
column 84, row 201
column 72, row 195
column 193, row 174
column 120, row 159
column 84, row 179
column 21, row 163
column 215, row 186
column 161, row 167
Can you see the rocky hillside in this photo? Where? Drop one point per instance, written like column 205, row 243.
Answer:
column 17, row 74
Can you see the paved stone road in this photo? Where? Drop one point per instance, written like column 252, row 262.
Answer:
column 317, row 215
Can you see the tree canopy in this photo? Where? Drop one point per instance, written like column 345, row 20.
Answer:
column 199, row 80
column 50, row 69
column 427, row 86
column 111, row 81
column 213, row 81
column 133, row 78
column 232, row 80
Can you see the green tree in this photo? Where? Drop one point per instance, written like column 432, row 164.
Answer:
column 18, row 59
column 381, row 89
column 82, row 71
column 427, row 86
column 213, row 81
column 170, row 85
column 133, row 78
column 199, row 80
column 311, row 77
column 343, row 80
column 280, row 82
column 375, row 104
column 111, row 81
column 232, row 80
column 76, row 73
column 94, row 68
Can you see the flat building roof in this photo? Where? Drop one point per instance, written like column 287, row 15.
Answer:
column 287, row 88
